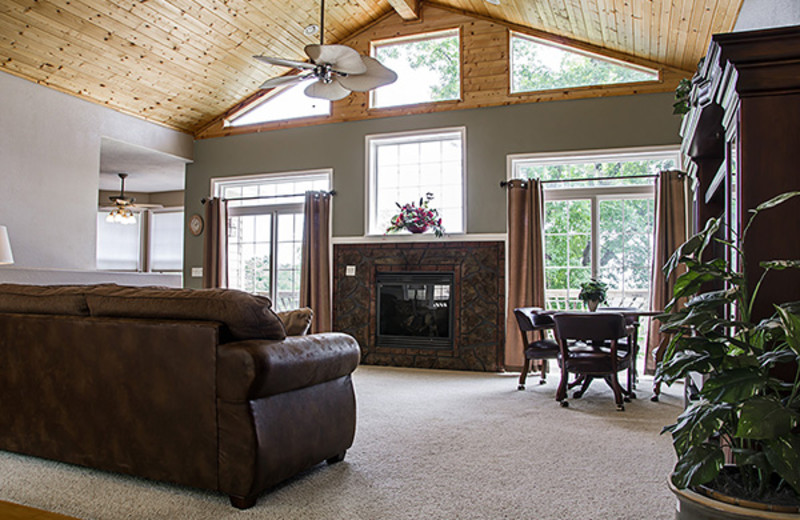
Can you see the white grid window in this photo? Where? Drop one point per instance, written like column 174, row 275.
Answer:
column 265, row 232
column 601, row 227
column 403, row 168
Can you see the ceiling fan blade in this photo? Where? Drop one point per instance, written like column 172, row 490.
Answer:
column 282, row 80
column 341, row 58
column 285, row 63
column 376, row 75
column 332, row 91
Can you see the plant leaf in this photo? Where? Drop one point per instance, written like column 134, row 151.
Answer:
column 696, row 424
column 784, row 455
column 790, row 323
column 734, row 385
column 763, row 418
column 767, row 359
column 753, row 458
column 692, row 248
column 691, row 354
column 780, row 199
column 699, row 465
column 780, row 265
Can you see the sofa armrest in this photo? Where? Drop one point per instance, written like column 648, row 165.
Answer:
column 254, row 369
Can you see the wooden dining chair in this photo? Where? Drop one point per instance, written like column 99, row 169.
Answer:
column 589, row 344
column 537, row 347
column 630, row 342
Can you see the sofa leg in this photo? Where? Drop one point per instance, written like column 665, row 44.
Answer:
column 243, row 502
column 337, row 458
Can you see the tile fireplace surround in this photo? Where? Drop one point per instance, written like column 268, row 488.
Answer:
column 479, row 298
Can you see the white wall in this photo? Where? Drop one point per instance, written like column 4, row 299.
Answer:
column 49, row 170
column 761, row 14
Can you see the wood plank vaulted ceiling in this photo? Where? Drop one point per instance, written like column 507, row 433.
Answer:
column 181, row 63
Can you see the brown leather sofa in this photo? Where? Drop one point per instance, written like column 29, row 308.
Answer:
column 197, row 387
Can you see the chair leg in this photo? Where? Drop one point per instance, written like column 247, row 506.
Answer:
column 629, row 393
column 561, row 393
column 587, row 380
column 656, row 391
column 524, row 375
column 543, row 376
column 617, row 392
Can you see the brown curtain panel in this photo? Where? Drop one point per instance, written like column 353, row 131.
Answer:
column 215, row 244
column 315, row 273
column 525, row 260
column 670, row 232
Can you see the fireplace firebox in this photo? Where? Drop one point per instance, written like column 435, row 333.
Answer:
column 415, row 309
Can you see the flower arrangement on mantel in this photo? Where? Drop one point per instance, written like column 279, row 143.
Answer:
column 417, row 218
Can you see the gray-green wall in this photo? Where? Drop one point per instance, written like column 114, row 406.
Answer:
column 492, row 134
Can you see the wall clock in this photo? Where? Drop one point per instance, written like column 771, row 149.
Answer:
column 196, row 224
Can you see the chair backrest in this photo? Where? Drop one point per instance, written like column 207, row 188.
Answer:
column 589, row 326
column 530, row 319
column 629, row 319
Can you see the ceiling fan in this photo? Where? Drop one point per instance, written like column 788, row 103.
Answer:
column 121, row 205
column 336, row 69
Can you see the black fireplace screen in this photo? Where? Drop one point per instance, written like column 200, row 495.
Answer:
column 415, row 309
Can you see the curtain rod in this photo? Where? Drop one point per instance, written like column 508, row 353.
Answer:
column 259, row 197
column 503, row 184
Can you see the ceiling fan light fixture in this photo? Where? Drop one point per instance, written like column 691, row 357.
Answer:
column 121, row 216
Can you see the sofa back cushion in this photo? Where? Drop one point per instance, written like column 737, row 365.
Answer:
column 51, row 299
column 245, row 315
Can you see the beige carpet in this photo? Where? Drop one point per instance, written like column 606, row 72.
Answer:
column 429, row 445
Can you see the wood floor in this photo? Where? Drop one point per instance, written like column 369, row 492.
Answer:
column 9, row 511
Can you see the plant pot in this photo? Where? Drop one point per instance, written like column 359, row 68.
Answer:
column 417, row 229
column 592, row 304
column 695, row 506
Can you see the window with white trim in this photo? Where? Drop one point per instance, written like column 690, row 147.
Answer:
column 153, row 244
column 599, row 227
column 265, row 232
column 538, row 64
column 428, row 68
column 404, row 167
column 281, row 104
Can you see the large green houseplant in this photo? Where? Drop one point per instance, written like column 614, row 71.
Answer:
column 741, row 409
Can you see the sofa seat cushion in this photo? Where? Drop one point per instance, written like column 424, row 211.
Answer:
column 253, row 369
column 297, row 321
column 67, row 300
column 245, row 315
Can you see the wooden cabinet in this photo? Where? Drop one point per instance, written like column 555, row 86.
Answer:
column 742, row 142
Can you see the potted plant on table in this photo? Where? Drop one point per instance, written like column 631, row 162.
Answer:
column 743, row 414
column 593, row 293
column 417, row 218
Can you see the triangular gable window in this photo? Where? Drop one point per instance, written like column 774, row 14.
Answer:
column 541, row 65
column 282, row 104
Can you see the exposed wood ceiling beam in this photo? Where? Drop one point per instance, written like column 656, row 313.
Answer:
column 407, row 9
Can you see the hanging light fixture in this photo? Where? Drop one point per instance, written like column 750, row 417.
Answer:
column 122, row 213
column 121, row 216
